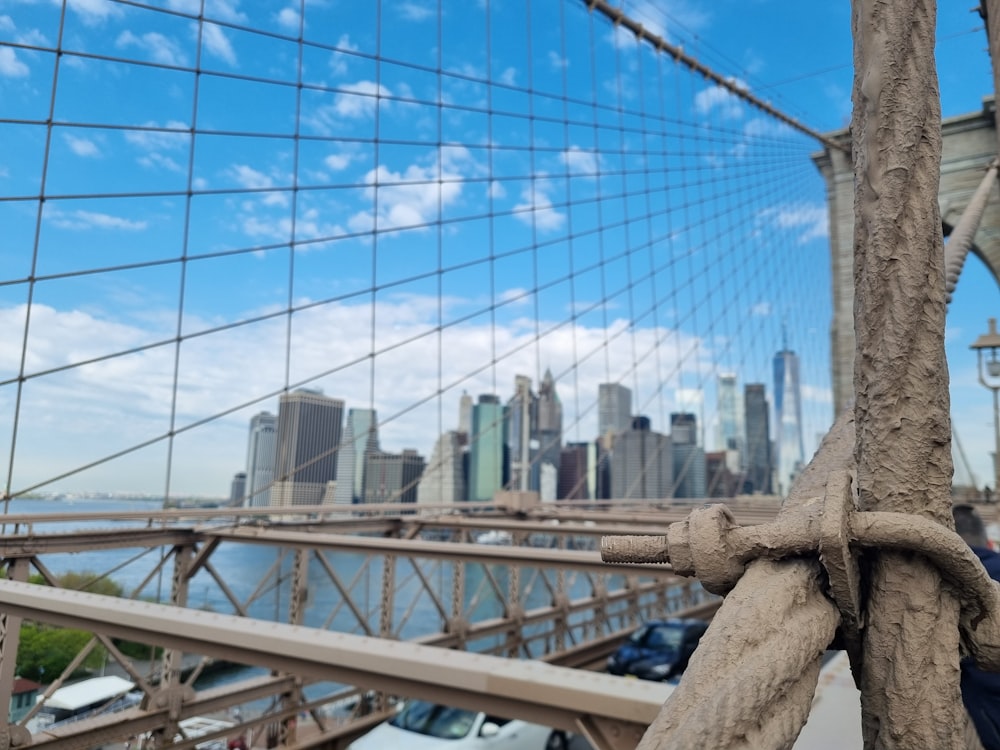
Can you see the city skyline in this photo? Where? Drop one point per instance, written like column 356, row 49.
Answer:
column 112, row 384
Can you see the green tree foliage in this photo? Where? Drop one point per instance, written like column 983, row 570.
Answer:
column 44, row 651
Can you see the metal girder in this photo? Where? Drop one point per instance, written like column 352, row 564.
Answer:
column 530, row 690
column 589, row 560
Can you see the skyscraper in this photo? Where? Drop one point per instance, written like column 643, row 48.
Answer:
column 486, row 449
column 757, row 454
column 238, row 488
column 522, row 442
column 573, row 484
column 614, row 408
column 730, row 421
column 260, row 460
column 465, row 414
column 641, row 463
column 310, row 427
column 443, row 480
column 392, row 477
column 360, row 439
column 688, row 458
column 549, row 432
column 788, row 418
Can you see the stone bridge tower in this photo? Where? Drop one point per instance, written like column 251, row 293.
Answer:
column 969, row 146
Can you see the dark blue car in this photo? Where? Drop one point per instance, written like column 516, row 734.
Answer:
column 659, row 650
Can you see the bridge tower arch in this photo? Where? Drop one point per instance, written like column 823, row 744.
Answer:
column 968, row 147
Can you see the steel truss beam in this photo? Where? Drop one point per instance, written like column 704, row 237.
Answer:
column 530, row 690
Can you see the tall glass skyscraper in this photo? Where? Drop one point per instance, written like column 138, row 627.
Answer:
column 788, row 418
column 614, row 408
column 757, row 454
column 730, row 418
column 486, row 449
column 260, row 460
column 310, row 427
column 360, row 440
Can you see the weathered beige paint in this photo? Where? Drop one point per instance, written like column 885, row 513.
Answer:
column 910, row 679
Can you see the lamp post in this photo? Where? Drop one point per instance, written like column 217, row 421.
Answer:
column 991, row 341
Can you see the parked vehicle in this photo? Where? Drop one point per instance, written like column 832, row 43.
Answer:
column 659, row 650
column 420, row 725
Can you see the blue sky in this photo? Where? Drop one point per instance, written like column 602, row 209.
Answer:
column 558, row 198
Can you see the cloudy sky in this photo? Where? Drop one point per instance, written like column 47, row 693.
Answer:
column 407, row 206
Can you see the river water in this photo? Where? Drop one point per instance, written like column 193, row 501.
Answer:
column 244, row 567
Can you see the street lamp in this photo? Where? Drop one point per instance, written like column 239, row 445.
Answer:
column 991, row 341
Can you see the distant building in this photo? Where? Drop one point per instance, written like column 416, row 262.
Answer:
column 443, row 480
column 310, row 428
column 641, row 463
column 360, row 439
column 719, row 480
column 614, row 408
column 522, row 443
column 757, row 455
column 261, row 455
column 549, row 433
column 487, row 464
column 730, row 437
column 22, row 699
column 238, row 488
column 392, row 477
column 687, row 457
column 790, row 456
column 465, row 413
column 573, row 484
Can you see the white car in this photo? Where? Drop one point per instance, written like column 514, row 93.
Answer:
column 420, row 725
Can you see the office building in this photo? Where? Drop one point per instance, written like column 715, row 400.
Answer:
column 757, row 449
column 687, row 457
column 614, row 408
column 443, row 480
column 360, row 439
column 522, row 442
column 487, row 448
column 392, row 477
column 573, row 484
column 719, row 480
column 238, row 488
column 787, row 419
column 310, row 429
column 641, row 465
column 549, row 435
column 465, row 414
column 730, row 435
column 261, row 455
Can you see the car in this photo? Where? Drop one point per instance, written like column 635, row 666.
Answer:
column 421, row 725
column 659, row 650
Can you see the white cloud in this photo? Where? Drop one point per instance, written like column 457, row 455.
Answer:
column 580, row 161
column 413, row 11
column 10, row 66
column 160, row 140
column 508, row 77
column 339, row 59
column 82, row 146
column 217, row 43
column 83, row 220
column 811, row 218
column 761, row 309
column 339, row 161
column 93, row 12
column 160, row 48
column 7, row 23
column 289, row 18
column 721, row 100
column 536, row 208
column 557, row 61
column 414, row 196
column 95, row 410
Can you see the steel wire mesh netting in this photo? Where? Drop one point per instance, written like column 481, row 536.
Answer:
column 207, row 205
